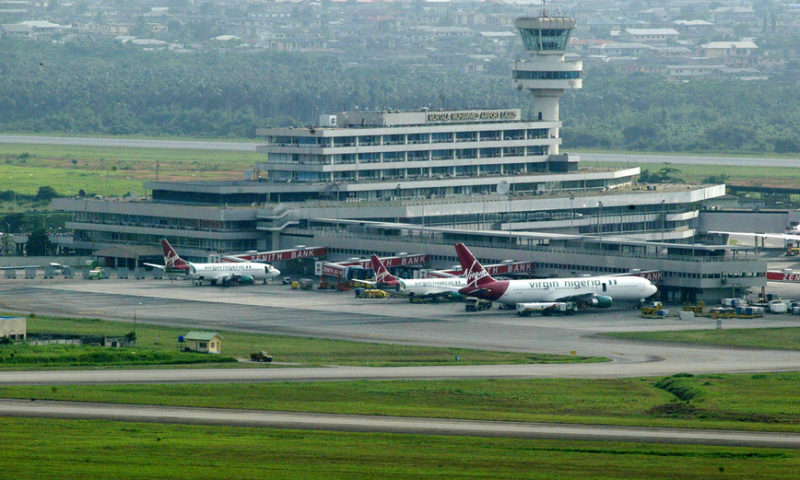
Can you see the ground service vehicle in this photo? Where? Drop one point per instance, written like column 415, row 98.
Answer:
column 96, row 273
column 370, row 293
column 473, row 304
column 547, row 308
column 261, row 356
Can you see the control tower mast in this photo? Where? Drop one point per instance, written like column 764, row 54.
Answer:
column 546, row 74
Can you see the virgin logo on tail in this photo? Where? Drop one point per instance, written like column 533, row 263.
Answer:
column 382, row 275
column 473, row 271
column 171, row 258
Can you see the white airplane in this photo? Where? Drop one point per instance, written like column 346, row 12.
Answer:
column 599, row 291
column 433, row 288
column 224, row 273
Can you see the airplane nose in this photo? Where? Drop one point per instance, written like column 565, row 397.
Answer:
column 276, row 272
column 652, row 289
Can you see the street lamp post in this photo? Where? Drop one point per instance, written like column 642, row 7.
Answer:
column 599, row 214
column 134, row 321
column 571, row 212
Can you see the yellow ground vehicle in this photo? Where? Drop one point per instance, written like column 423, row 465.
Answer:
column 698, row 309
column 371, row 293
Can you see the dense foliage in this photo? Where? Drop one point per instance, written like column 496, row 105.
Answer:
column 84, row 87
column 646, row 112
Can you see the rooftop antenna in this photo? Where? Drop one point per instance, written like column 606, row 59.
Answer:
column 544, row 8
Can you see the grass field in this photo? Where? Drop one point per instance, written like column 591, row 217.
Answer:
column 43, row 448
column 113, row 170
column 776, row 338
column 118, row 170
column 744, row 402
column 737, row 175
column 51, row 356
column 298, row 351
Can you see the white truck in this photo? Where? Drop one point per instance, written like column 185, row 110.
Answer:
column 547, row 308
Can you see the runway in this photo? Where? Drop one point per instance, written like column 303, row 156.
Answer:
column 275, row 309
column 386, row 424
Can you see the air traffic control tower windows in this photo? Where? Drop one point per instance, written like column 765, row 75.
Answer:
column 545, row 39
column 536, row 75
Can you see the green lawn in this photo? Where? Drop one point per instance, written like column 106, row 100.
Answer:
column 114, row 170
column 774, row 338
column 746, row 402
column 297, row 351
column 737, row 175
column 64, row 449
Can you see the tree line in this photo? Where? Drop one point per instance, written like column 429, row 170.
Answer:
column 89, row 87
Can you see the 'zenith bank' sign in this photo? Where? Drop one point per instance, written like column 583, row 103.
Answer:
column 278, row 255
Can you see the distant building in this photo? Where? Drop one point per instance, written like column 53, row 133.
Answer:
column 205, row 342
column 693, row 26
column 15, row 327
column 728, row 49
column 650, row 35
column 620, row 49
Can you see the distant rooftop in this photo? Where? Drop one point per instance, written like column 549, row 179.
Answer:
column 424, row 116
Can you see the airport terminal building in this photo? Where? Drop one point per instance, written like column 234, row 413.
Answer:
column 418, row 181
column 396, row 191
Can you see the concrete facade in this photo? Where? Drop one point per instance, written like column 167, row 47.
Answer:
column 14, row 328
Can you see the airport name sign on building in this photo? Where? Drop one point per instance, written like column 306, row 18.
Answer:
column 473, row 115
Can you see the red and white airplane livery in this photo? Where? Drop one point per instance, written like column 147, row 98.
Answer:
column 433, row 288
column 599, row 291
column 225, row 273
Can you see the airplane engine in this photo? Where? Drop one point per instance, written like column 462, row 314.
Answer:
column 601, row 301
column 247, row 280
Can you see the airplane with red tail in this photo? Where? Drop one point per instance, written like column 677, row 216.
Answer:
column 433, row 288
column 224, row 273
column 600, row 291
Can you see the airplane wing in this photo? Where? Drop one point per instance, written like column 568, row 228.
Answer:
column 15, row 267
column 574, row 296
column 231, row 258
column 442, row 274
column 160, row 267
column 442, row 291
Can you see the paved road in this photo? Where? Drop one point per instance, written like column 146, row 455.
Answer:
column 128, row 142
column 587, row 158
column 640, row 158
column 385, row 424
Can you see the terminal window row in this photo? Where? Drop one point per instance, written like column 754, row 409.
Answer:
column 162, row 222
column 407, row 156
column 409, row 138
column 409, row 173
column 220, row 246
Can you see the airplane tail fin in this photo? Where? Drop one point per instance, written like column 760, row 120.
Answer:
column 172, row 261
column 476, row 275
column 382, row 275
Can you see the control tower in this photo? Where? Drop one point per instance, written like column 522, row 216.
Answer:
column 546, row 74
